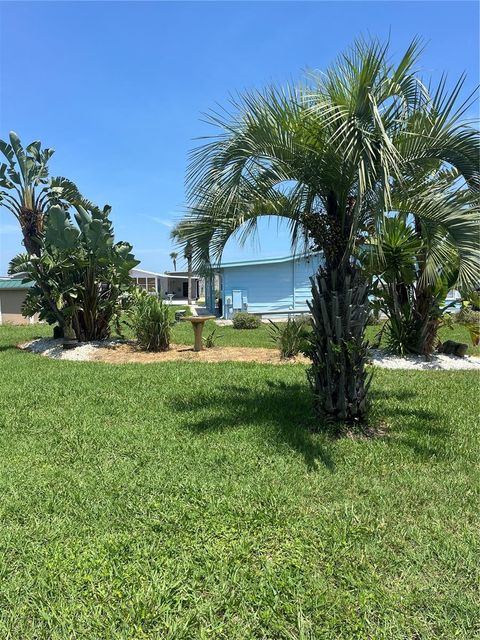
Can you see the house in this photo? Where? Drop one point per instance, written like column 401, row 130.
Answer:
column 175, row 283
column 12, row 296
column 200, row 290
column 271, row 285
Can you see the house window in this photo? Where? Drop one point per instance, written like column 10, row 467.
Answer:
column 142, row 283
column 151, row 284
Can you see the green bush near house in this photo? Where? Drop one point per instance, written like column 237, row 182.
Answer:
column 244, row 320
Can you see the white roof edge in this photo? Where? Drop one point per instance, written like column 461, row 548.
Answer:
column 162, row 275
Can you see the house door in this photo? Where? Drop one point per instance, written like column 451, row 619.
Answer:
column 185, row 289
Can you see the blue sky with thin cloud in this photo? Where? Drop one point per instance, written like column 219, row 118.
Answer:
column 118, row 88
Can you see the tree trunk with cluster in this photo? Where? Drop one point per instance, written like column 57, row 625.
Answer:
column 31, row 223
column 340, row 311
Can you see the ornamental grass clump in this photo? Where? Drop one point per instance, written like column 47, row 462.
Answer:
column 150, row 321
column 291, row 337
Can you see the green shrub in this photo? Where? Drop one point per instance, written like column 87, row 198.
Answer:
column 244, row 320
column 468, row 316
column 149, row 319
column 292, row 337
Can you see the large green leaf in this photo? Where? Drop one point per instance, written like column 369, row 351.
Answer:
column 7, row 151
column 59, row 231
column 98, row 239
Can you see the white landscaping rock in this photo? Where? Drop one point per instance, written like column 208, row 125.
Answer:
column 438, row 361
column 53, row 348
column 435, row 362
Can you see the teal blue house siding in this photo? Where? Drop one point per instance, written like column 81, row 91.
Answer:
column 276, row 284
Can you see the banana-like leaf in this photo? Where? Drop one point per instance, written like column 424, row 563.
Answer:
column 33, row 149
column 82, row 216
column 7, row 151
column 19, row 153
column 59, row 231
column 98, row 239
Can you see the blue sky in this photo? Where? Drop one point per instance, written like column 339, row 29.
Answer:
column 118, row 88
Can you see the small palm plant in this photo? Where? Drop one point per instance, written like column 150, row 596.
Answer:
column 469, row 316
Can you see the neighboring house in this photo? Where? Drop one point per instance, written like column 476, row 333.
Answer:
column 200, row 290
column 272, row 285
column 164, row 283
column 12, row 295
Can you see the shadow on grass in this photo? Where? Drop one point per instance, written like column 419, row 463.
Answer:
column 282, row 413
column 7, row 347
column 420, row 430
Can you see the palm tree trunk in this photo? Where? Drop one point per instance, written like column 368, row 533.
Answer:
column 340, row 311
column 189, row 275
column 429, row 323
column 31, row 222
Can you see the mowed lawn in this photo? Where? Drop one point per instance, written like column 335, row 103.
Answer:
column 183, row 500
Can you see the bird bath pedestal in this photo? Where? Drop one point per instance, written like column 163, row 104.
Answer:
column 197, row 325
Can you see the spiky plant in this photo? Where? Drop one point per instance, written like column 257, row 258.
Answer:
column 150, row 321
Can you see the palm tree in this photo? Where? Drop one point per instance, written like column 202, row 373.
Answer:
column 427, row 245
column 188, row 253
column 27, row 191
column 325, row 156
column 177, row 234
column 174, row 256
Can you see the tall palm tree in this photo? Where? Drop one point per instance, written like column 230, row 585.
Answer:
column 324, row 156
column 177, row 234
column 27, row 191
column 188, row 253
column 174, row 256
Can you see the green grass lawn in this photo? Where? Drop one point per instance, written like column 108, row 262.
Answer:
column 191, row 501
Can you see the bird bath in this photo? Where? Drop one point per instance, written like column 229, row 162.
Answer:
column 197, row 325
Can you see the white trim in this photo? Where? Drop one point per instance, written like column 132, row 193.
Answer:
column 163, row 275
column 151, row 273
